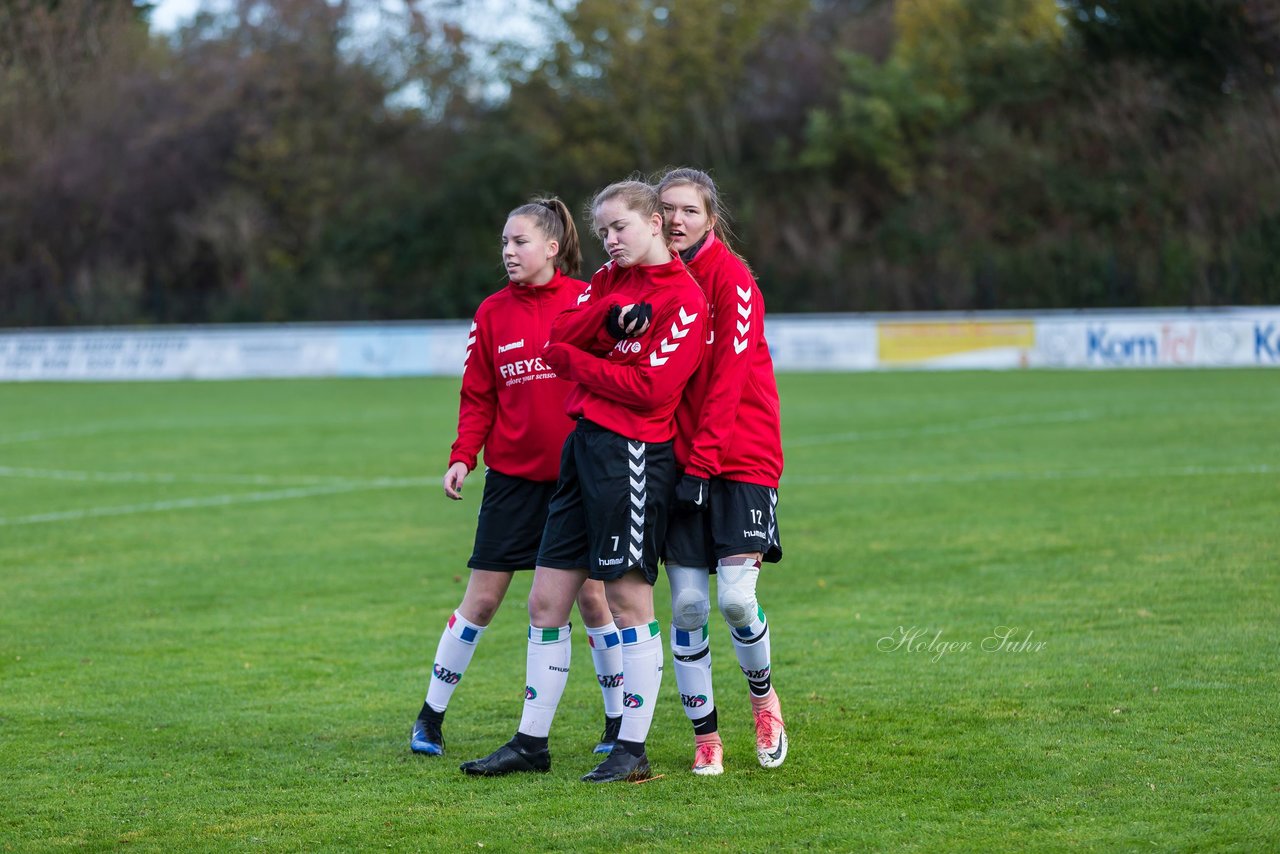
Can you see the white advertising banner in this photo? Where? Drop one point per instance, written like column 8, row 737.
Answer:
column 246, row 352
column 1202, row 339
column 821, row 342
column 1235, row 337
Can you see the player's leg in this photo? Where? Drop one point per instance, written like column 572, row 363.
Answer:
column 736, row 577
column 513, row 513
column 632, row 487
column 485, row 592
column 549, row 651
column 606, row 655
column 691, row 655
column 547, row 660
column 556, row 582
column 631, row 600
column 745, row 525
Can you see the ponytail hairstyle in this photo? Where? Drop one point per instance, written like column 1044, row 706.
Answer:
column 638, row 196
column 701, row 181
column 554, row 221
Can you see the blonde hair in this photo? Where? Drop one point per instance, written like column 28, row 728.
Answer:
column 552, row 218
column 638, row 196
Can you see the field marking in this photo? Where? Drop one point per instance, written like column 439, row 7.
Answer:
column 117, row 426
column 186, row 424
column 996, row 477
column 217, row 500
column 167, row 477
column 979, row 424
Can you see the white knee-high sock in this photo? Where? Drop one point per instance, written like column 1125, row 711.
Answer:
column 642, row 676
column 691, row 656
column 606, row 654
column 751, row 643
column 546, row 672
column 453, row 654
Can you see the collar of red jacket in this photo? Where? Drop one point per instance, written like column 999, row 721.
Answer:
column 707, row 250
column 557, row 282
column 664, row 274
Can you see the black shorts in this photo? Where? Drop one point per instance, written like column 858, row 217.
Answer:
column 741, row 518
column 609, row 511
column 513, row 512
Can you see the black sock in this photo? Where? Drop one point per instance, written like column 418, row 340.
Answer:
column 529, row 743
column 706, row 725
column 635, row 748
column 430, row 714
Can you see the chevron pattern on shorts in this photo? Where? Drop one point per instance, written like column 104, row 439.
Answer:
column 638, row 480
column 773, row 521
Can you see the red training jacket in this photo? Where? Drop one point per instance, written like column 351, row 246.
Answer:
column 632, row 386
column 729, row 421
column 512, row 401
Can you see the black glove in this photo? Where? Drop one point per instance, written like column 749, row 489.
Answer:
column 691, row 494
column 620, row 325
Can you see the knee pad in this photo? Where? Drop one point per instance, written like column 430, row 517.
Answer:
column 736, row 590
column 690, row 597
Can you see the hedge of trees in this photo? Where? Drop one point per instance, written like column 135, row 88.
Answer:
column 337, row 159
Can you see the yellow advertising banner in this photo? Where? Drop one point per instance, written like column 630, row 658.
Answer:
column 919, row 343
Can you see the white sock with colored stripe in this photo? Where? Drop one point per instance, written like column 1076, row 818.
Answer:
column 691, row 657
column 642, row 677
column 736, row 585
column 453, row 654
column 751, row 643
column 546, row 673
column 606, row 653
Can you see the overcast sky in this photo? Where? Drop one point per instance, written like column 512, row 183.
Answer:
column 169, row 13
column 485, row 18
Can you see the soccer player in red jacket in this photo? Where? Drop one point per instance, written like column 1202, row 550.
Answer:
column 729, row 444
column 512, row 406
column 630, row 348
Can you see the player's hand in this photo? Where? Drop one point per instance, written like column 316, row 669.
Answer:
column 691, row 494
column 628, row 321
column 453, row 479
column 557, row 356
column 635, row 318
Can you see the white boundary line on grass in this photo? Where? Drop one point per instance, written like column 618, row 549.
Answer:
column 346, row 486
column 190, row 423
column 1014, row 476
column 216, row 500
column 167, row 477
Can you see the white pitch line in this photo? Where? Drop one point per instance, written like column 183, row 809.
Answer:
column 215, row 501
column 228, row 422
column 164, row 477
column 943, row 429
column 1014, row 476
column 80, row 476
column 142, row 426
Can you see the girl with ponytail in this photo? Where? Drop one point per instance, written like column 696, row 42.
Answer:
column 513, row 407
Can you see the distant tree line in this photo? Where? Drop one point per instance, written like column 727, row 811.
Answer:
column 312, row 160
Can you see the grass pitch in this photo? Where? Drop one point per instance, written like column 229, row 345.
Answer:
column 1018, row 611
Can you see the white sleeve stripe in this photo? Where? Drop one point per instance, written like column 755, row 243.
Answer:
column 669, row 344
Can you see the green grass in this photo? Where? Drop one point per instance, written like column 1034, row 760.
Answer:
column 218, row 673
